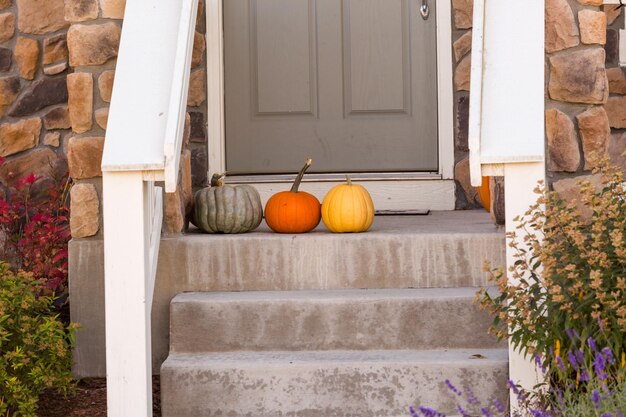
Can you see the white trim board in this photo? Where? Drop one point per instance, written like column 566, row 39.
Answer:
column 445, row 92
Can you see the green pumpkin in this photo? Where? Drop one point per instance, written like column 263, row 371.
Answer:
column 227, row 208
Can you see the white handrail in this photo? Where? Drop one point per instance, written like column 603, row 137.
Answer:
column 178, row 95
column 143, row 145
column 476, row 92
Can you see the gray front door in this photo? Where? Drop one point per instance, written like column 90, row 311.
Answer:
column 349, row 83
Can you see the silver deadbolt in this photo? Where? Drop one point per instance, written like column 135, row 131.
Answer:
column 425, row 10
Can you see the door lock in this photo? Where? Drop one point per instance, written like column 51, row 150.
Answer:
column 425, row 10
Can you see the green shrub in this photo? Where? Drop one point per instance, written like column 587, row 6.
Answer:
column 35, row 346
column 572, row 283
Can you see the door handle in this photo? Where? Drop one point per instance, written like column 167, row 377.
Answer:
column 425, row 10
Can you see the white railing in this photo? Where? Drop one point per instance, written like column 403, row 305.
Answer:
column 506, row 123
column 143, row 145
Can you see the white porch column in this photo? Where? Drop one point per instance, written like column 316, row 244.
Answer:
column 128, row 293
column 519, row 182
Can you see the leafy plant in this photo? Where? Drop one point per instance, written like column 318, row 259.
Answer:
column 34, row 229
column 570, row 273
column 35, row 346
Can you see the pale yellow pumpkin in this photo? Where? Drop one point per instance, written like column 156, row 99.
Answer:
column 348, row 208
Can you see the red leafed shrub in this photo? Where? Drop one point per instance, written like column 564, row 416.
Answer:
column 34, row 229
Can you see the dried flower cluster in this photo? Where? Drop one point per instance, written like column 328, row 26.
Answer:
column 569, row 273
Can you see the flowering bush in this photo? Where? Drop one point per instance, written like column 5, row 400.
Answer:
column 35, row 346
column 593, row 393
column 574, row 278
column 34, row 229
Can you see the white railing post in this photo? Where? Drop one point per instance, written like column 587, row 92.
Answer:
column 506, row 124
column 128, row 293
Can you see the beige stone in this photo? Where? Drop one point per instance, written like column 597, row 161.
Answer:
column 84, row 210
column 569, row 190
column 55, row 68
column 52, row 139
column 19, row 136
column 4, row 4
column 591, row 2
column 102, row 117
column 617, row 80
column 185, row 179
column 80, row 102
column 186, row 131
column 462, row 74
column 9, row 90
column 84, row 157
column 197, row 88
column 561, row 31
column 199, row 45
column 612, row 12
column 27, row 57
column 113, row 9
column 594, row 128
column 463, row 13
column 42, row 162
column 173, row 212
column 93, row 44
column 616, row 110
column 57, row 118
column 579, row 76
column 462, row 45
column 55, row 49
column 563, row 153
column 592, row 26
column 617, row 150
column 462, row 176
column 39, row 17
column 105, row 85
column 81, row 10
column 7, row 26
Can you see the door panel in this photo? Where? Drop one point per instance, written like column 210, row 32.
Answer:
column 351, row 84
column 376, row 56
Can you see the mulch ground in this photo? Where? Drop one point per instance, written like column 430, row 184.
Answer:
column 90, row 400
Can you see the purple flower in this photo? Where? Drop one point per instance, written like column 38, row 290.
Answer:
column 452, row 387
column 572, row 334
column 595, row 397
column 471, row 398
column 559, row 362
column 592, row 344
column 608, row 355
column 462, row 411
column 572, row 359
column 499, row 406
column 486, row 412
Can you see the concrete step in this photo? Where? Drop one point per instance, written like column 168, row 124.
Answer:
column 328, row 320
column 444, row 249
column 325, row 384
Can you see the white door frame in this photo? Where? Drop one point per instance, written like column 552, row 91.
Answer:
column 415, row 192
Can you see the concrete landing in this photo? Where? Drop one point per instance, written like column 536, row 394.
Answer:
column 443, row 249
column 326, row 384
column 417, row 319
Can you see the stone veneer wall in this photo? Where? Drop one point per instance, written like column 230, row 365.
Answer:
column 57, row 68
column 585, row 93
column 585, row 102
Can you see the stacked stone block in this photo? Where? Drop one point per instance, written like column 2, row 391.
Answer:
column 57, row 69
column 585, row 105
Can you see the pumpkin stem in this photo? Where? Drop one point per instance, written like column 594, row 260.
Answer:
column 217, row 180
column 296, row 183
column 349, row 179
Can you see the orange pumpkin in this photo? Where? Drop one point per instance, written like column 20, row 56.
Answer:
column 293, row 211
column 484, row 193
